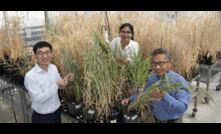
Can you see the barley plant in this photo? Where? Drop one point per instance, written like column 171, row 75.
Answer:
column 104, row 79
column 13, row 45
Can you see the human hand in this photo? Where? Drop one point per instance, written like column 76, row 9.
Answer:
column 156, row 94
column 125, row 101
column 62, row 83
column 69, row 77
column 122, row 60
column 119, row 59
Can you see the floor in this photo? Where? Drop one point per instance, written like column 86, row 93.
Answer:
column 207, row 113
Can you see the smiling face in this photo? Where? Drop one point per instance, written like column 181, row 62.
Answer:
column 126, row 34
column 161, row 64
column 43, row 56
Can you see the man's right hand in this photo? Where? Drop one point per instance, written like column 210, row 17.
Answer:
column 125, row 101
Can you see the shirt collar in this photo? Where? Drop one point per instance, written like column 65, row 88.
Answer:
column 160, row 78
column 38, row 69
column 128, row 46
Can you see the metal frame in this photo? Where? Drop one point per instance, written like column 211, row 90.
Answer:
column 206, row 75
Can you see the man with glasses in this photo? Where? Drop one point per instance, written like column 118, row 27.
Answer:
column 42, row 83
column 167, row 107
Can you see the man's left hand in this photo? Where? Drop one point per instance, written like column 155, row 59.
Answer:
column 157, row 94
column 69, row 77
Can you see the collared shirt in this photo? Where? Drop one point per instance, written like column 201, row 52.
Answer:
column 128, row 52
column 173, row 104
column 43, row 89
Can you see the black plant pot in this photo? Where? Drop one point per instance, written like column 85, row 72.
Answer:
column 206, row 60
column 5, row 68
column 13, row 74
column 90, row 115
column 18, row 80
column 21, row 80
column 74, row 108
column 218, row 87
column 1, row 68
column 131, row 117
column 1, row 60
column 114, row 117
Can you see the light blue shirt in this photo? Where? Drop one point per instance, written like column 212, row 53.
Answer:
column 173, row 104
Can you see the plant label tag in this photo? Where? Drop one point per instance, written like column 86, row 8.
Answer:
column 113, row 121
column 78, row 106
column 134, row 117
column 126, row 117
column 91, row 111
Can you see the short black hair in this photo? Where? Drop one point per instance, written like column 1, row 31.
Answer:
column 41, row 44
column 162, row 51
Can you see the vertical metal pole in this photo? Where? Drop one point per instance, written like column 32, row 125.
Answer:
column 16, row 13
column 23, row 105
column 27, row 14
column 107, row 24
column 47, row 20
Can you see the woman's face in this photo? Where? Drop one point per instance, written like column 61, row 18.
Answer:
column 126, row 34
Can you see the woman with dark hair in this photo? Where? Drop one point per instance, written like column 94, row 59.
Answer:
column 124, row 47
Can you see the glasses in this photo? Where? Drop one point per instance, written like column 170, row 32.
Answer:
column 47, row 53
column 160, row 63
column 125, row 32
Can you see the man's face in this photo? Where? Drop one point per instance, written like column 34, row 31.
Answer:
column 43, row 56
column 160, row 64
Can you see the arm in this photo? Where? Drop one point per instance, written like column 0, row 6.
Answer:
column 62, row 83
column 136, row 49
column 58, row 76
column 133, row 53
column 176, row 101
column 176, row 104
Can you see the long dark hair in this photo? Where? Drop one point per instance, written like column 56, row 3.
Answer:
column 130, row 27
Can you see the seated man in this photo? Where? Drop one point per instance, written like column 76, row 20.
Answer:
column 166, row 107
